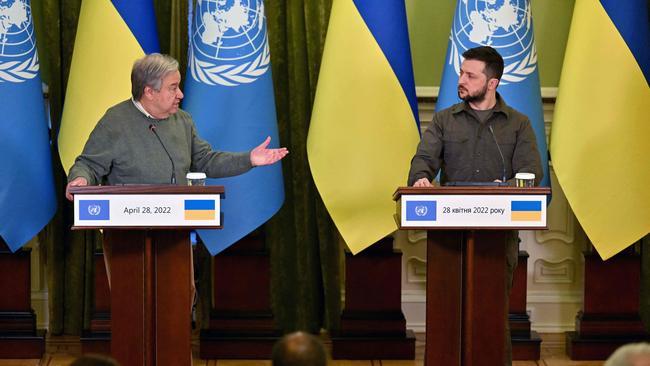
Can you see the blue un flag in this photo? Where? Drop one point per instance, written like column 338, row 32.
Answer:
column 229, row 92
column 27, row 197
column 507, row 26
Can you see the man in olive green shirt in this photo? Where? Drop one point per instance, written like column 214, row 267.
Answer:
column 461, row 142
column 479, row 140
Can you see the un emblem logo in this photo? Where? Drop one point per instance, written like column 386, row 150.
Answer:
column 505, row 25
column 18, row 56
column 229, row 42
column 94, row 210
column 421, row 210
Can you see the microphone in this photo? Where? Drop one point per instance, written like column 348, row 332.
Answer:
column 152, row 127
column 503, row 161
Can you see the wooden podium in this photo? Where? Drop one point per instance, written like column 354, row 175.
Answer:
column 148, row 229
column 467, row 228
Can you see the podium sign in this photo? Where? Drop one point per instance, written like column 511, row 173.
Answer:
column 150, row 210
column 147, row 207
column 475, row 211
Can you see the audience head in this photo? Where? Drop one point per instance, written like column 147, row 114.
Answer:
column 94, row 360
column 635, row 354
column 299, row 349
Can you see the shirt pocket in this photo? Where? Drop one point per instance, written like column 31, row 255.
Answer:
column 456, row 150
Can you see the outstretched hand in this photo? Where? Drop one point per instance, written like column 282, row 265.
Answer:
column 263, row 156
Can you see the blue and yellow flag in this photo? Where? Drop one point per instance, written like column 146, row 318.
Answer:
column 599, row 140
column 506, row 26
column 200, row 209
column 364, row 125
column 27, row 197
column 229, row 92
column 111, row 35
column 526, row 210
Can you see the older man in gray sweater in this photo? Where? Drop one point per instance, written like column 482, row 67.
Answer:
column 147, row 139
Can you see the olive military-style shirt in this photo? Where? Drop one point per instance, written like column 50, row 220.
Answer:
column 464, row 149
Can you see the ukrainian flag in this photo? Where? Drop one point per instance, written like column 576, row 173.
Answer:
column 364, row 127
column 111, row 35
column 599, row 140
column 526, row 210
column 199, row 209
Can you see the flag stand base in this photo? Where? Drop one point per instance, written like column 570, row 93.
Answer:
column 97, row 339
column 242, row 325
column 372, row 323
column 19, row 337
column 525, row 342
column 610, row 316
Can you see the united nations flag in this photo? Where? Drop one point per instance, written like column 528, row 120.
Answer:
column 27, row 198
column 507, row 26
column 229, row 92
column 230, row 45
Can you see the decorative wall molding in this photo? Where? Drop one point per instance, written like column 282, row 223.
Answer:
column 414, row 308
column 555, row 297
column 408, row 296
column 414, row 296
column 415, row 236
column 433, row 91
column 553, row 311
column 427, row 91
column 40, row 305
column 564, row 233
column 559, row 272
column 550, row 327
column 416, row 270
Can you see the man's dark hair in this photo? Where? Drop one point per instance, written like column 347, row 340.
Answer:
column 492, row 58
column 299, row 349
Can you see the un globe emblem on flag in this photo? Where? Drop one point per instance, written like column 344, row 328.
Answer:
column 18, row 56
column 94, row 210
column 505, row 25
column 229, row 42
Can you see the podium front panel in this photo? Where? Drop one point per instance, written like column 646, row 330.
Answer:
column 496, row 211
column 147, row 210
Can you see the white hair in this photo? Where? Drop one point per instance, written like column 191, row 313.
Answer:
column 628, row 354
column 149, row 71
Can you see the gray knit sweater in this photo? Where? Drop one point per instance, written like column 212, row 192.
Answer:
column 122, row 149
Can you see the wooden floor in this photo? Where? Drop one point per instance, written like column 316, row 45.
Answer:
column 61, row 351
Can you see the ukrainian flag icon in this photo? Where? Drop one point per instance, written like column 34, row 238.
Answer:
column 199, row 209
column 526, row 210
